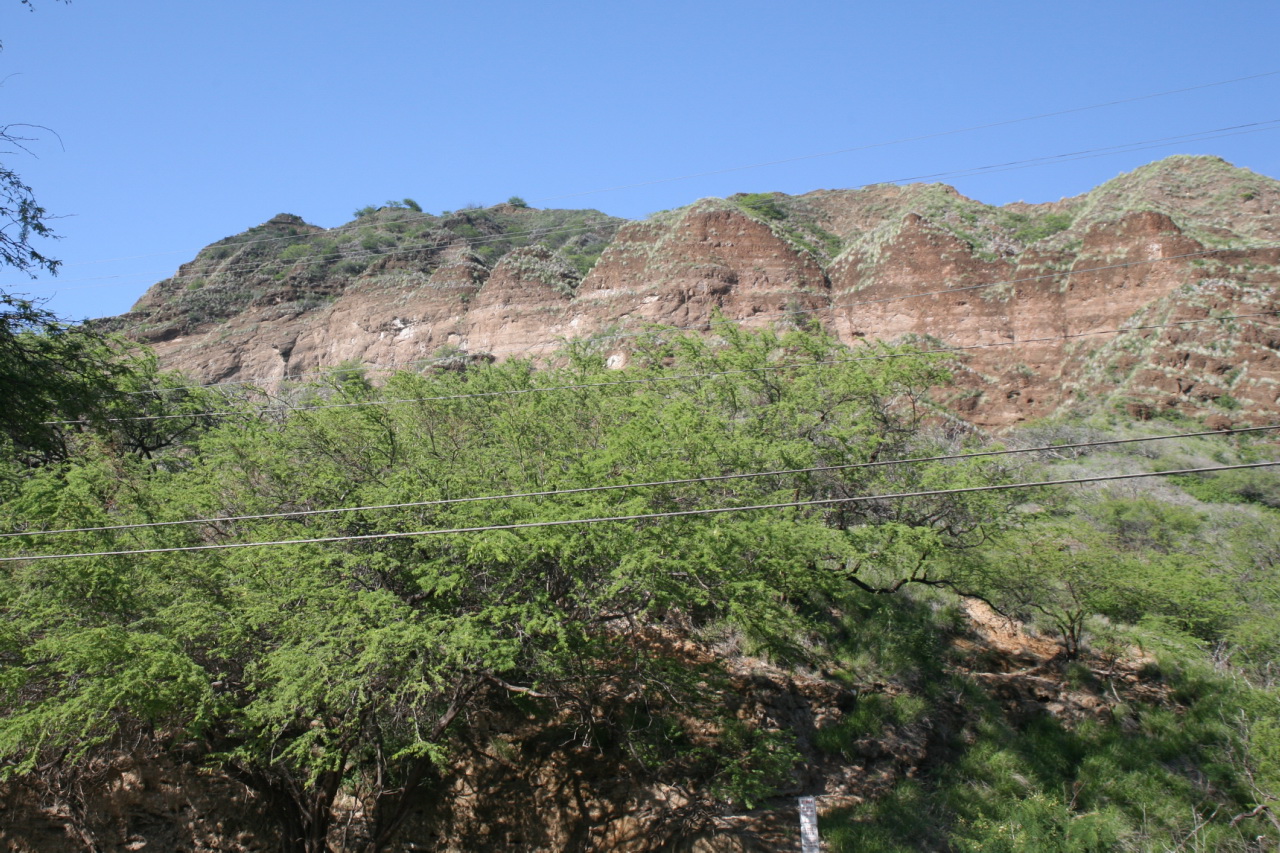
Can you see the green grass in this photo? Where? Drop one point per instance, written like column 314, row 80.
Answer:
column 1148, row 782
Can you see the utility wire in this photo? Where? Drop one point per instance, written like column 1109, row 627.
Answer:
column 643, row 516
column 884, row 144
column 618, row 486
column 677, row 377
column 922, row 137
column 1251, row 127
column 1235, row 130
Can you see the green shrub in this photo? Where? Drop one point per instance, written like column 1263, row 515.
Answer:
column 1046, row 226
column 352, row 266
column 295, row 252
column 763, row 205
column 758, row 763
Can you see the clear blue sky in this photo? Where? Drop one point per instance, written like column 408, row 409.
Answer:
column 184, row 122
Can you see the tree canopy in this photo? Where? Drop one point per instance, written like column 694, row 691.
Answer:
column 302, row 669
column 471, row 562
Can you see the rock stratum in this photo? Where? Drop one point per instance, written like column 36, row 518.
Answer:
column 1154, row 291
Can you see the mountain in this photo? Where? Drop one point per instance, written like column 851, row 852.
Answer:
column 1031, row 295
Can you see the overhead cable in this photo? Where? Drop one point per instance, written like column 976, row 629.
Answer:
column 365, row 537
column 869, row 146
column 920, row 138
column 652, row 484
column 1234, row 130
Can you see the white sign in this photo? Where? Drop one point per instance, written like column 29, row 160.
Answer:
column 809, row 842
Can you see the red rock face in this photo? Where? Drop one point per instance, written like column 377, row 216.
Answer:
column 708, row 258
column 1032, row 298
column 523, row 306
column 708, row 261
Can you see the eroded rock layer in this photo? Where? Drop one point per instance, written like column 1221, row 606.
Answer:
column 1047, row 306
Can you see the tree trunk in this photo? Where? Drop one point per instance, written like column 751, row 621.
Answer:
column 303, row 815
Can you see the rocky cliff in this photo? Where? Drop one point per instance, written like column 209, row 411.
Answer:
column 1030, row 295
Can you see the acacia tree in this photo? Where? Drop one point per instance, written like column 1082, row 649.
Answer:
column 22, row 218
column 365, row 666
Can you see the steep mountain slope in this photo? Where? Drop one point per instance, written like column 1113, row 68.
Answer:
column 1031, row 294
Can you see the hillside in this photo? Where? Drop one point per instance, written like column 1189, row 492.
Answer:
column 1034, row 291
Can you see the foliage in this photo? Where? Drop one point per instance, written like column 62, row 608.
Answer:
column 763, row 205
column 22, row 218
column 362, row 667
column 1028, row 229
column 517, row 201
column 356, row 663
column 1155, row 777
column 295, row 251
column 58, row 379
column 1257, row 485
column 759, row 762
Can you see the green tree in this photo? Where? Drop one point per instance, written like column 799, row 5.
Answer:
column 22, row 218
column 1061, row 573
column 48, row 370
column 51, row 371
column 1064, row 570
column 364, row 666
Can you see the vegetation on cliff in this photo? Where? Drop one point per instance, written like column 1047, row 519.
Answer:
column 287, row 267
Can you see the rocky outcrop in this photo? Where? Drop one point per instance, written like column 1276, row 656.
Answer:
column 523, row 305
column 1031, row 297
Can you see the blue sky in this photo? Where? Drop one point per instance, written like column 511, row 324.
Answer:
column 172, row 125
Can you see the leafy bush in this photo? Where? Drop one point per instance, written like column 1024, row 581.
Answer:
column 347, row 655
column 364, row 666
column 295, row 251
column 351, row 266
column 1034, row 230
column 763, row 205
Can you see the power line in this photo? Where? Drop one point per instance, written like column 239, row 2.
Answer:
column 884, row 144
column 903, row 140
column 643, row 516
column 1126, row 148
column 1205, row 135
column 1215, row 133
column 619, row 486
column 678, row 377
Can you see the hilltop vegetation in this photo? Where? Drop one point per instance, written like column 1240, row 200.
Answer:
column 289, row 267
column 496, row 673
